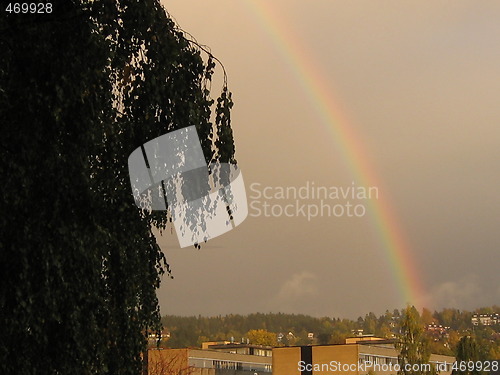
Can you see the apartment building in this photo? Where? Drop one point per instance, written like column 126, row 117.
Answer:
column 219, row 360
column 353, row 358
column 485, row 319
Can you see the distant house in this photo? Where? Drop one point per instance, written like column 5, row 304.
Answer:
column 155, row 338
column 437, row 331
column 485, row 319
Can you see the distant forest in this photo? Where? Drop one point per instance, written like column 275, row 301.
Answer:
column 444, row 329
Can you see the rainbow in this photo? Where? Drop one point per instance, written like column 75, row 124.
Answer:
column 397, row 251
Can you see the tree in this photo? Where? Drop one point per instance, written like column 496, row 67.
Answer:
column 168, row 362
column 427, row 317
column 453, row 340
column 80, row 89
column 324, row 338
column 370, row 323
column 467, row 350
column 412, row 345
column 338, row 338
column 385, row 331
column 262, row 337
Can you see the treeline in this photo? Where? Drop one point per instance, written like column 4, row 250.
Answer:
column 446, row 328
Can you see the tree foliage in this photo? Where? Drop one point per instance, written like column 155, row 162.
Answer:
column 190, row 331
column 80, row 89
column 412, row 345
column 467, row 350
column 262, row 337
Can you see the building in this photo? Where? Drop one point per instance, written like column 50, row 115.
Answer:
column 485, row 319
column 437, row 332
column 236, row 348
column 218, row 359
column 363, row 338
column 155, row 338
column 354, row 358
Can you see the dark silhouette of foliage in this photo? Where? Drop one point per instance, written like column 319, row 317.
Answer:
column 80, row 89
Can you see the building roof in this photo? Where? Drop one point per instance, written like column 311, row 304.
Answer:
column 239, row 346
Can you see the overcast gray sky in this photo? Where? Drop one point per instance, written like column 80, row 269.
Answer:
column 419, row 86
